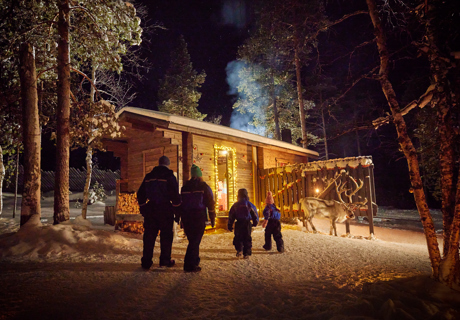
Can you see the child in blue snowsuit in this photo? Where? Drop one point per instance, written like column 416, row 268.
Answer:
column 243, row 211
column 272, row 225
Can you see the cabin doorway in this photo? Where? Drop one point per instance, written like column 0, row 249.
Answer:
column 225, row 176
column 222, row 181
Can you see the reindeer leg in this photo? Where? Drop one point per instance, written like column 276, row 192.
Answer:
column 334, row 227
column 312, row 226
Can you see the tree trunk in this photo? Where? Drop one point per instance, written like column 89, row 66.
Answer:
column 31, row 135
column 89, row 171
column 61, row 187
column 299, row 94
column 92, row 92
column 446, row 161
column 323, row 121
column 358, row 143
column 450, row 265
column 16, row 182
column 326, row 151
column 405, row 141
column 2, row 175
column 275, row 111
column 442, row 71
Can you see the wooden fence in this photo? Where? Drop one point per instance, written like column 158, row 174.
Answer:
column 77, row 178
column 291, row 183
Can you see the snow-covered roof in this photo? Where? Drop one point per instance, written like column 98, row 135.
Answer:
column 211, row 127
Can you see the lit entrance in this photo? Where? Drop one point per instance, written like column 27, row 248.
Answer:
column 225, row 177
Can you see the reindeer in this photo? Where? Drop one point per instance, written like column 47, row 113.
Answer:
column 334, row 210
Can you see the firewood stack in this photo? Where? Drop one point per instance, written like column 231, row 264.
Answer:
column 128, row 217
column 127, row 204
column 130, row 226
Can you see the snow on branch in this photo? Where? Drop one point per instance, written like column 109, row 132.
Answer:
column 421, row 102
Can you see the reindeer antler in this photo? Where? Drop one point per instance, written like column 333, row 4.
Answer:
column 358, row 187
column 340, row 188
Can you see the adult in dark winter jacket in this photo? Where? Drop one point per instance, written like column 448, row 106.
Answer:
column 272, row 224
column 196, row 197
column 243, row 211
column 157, row 196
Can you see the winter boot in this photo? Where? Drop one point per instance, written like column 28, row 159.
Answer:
column 168, row 264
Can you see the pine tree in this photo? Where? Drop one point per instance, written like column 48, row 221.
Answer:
column 178, row 92
column 271, row 56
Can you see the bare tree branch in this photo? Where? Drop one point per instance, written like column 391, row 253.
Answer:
column 421, row 102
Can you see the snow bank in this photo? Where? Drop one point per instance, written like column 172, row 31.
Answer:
column 35, row 241
column 97, row 275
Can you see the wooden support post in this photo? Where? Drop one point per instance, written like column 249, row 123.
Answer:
column 255, row 178
column 370, row 211
column 187, row 160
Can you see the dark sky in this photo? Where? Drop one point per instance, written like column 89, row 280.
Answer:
column 213, row 30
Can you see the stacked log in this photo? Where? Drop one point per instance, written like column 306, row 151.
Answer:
column 128, row 217
column 130, row 226
column 127, row 204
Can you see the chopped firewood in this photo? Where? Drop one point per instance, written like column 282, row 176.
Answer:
column 130, row 226
column 127, row 204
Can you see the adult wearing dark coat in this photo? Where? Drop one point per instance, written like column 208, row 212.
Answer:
column 158, row 196
column 196, row 197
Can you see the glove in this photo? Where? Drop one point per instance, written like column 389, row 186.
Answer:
column 213, row 222
column 254, row 224
column 230, row 228
column 177, row 218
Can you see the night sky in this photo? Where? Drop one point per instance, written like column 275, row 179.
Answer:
column 214, row 29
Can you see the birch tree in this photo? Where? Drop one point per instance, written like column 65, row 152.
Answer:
column 91, row 122
column 442, row 96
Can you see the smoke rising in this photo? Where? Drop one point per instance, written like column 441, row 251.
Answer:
column 238, row 120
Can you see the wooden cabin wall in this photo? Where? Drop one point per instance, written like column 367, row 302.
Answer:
column 203, row 157
column 272, row 157
column 144, row 150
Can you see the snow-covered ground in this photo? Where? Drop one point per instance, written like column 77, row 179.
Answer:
column 74, row 271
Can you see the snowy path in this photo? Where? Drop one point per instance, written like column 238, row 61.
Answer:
column 79, row 273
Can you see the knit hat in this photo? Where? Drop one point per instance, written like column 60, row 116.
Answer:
column 164, row 161
column 243, row 194
column 195, row 171
column 269, row 199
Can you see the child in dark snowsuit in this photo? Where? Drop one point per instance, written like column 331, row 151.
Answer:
column 243, row 211
column 272, row 225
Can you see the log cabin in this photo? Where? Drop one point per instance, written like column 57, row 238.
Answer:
column 229, row 158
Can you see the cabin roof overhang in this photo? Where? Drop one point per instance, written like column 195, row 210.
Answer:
column 149, row 119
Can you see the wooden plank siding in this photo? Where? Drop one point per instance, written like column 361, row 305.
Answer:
column 145, row 147
column 272, row 158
